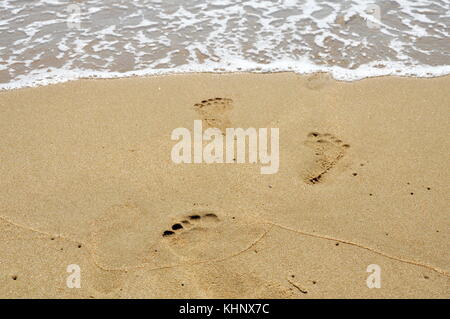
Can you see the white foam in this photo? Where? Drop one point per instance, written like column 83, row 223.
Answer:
column 118, row 39
column 53, row 76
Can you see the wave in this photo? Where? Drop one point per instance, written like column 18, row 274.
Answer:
column 52, row 41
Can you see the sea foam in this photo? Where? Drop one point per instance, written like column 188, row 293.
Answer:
column 52, row 41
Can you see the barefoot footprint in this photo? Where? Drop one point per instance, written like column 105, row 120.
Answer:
column 126, row 235
column 214, row 112
column 189, row 222
column 317, row 81
column 328, row 150
column 204, row 236
column 201, row 236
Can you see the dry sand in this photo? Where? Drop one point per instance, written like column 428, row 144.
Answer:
column 86, row 178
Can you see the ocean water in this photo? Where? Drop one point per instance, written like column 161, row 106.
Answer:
column 50, row 41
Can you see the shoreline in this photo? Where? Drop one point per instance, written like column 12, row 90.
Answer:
column 181, row 73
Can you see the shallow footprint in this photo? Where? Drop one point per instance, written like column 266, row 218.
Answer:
column 328, row 150
column 231, row 279
column 205, row 235
column 126, row 236
column 214, row 112
column 318, row 81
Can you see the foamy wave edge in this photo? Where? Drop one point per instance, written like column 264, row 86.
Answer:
column 372, row 69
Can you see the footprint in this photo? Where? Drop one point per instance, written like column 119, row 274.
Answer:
column 318, row 81
column 232, row 278
column 190, row 222
column 204, row 235
column 126, row 236
column 328, row 150
column 214, row 112
column 206, row 240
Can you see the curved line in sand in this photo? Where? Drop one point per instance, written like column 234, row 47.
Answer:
column 373, row 250
column 324, row 237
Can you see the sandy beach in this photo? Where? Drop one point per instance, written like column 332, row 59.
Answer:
column 87, row 179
